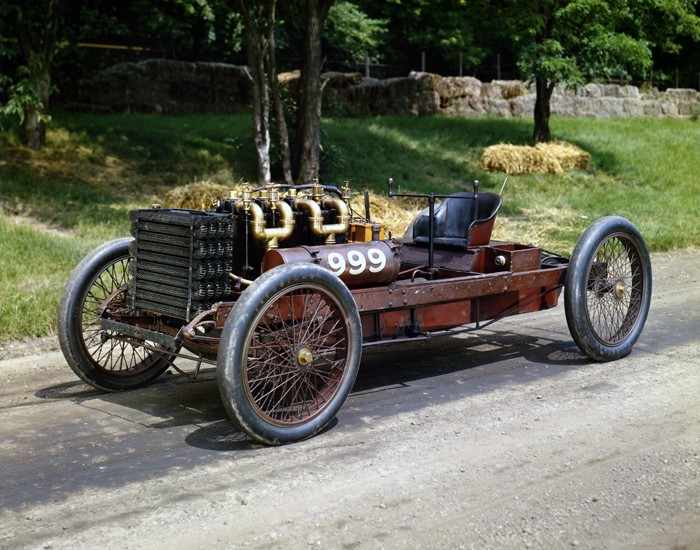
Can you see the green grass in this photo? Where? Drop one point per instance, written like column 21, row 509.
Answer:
column 97, row 168
column 642, row 169
column 34, row 269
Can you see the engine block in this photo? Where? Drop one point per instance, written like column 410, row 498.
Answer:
column 184, row 261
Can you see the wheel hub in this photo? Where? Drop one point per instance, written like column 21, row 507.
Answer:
column 620, row 290
column 304, row 357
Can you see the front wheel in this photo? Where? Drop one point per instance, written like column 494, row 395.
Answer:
column 102, row 358
column 608, row 289
column 289, row 353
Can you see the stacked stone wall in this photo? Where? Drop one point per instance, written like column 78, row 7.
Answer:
column 161, row 86
column 425, row 93
column 173, row 87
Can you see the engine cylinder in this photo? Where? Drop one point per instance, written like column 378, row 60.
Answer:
column 357, row 264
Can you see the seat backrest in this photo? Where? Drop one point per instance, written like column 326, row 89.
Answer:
column 459, row 221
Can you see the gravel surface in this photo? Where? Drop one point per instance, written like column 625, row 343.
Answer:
column 504, row 438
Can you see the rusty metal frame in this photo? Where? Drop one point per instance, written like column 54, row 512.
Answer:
column 402, row 295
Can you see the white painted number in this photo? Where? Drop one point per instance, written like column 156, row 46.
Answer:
column 357, row 261
column 377, row 260
column 337, row 263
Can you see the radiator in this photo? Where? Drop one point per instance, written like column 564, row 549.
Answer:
column 180, row 261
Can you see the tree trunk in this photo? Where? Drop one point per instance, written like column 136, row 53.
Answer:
column 255, row 38
column 282, row 132
column 32, row 132
column 38, row 52
column 307, row 143
column 542, row 110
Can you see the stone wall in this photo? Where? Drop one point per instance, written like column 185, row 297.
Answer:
column 166, row 86
column 161, row 86
column 425, row 93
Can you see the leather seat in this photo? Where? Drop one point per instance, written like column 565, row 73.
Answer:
column 459, row 222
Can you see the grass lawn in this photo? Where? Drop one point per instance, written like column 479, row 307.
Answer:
column 77, row 192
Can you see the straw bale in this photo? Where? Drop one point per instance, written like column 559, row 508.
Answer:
column 200, row 195
column 544, row 158
column 395, row 213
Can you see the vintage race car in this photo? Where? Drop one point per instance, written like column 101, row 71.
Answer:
column 283, row 286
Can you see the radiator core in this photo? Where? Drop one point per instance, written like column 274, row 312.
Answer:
column 180, row 261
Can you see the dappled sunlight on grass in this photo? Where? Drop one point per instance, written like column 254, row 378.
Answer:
column 439, row 154
column 642, row 169
column 95, row 169
column 175, row 149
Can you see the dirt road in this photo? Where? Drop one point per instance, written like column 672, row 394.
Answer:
column 498, row 439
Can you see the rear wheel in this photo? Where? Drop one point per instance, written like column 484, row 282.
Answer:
column 289, row 353
column 608, row 289
column 104, row 359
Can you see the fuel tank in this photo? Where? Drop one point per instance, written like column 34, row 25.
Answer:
column 357, row 264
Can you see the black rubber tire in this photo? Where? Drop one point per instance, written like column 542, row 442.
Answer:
column 283, row 378
column 98, row 359
column 608, row 289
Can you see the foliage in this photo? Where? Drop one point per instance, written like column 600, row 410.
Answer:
column 550, row 61
column 35, row 26
column 599, row 37
column 666, row 22
column 570, row 41
column 22, row 97
column 443, row 28
column 182, row 29
column 395, row 31
column 350, row 33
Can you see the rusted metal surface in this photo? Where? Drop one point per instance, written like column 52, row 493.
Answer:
column 404, row 294
column 416, row 306
column 401, row 287
column 511, row 257
column 357, row 264
column 221, row 313
column 459, row 260
column 480, row 231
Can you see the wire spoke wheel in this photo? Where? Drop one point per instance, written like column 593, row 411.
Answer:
column 289, row 353
column 112, row 354
column 102, row 358
column 615, row 290
column 608, row 289
column 297, row 353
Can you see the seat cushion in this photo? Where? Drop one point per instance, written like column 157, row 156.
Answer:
column 457, row 217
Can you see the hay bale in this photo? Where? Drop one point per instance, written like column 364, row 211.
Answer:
column 201, row 195
column 544, row 158
column 395, row 213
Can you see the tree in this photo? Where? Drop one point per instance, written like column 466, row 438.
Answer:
column 445, row 29
column 280, row 115
column 259, row 20
column 566, row 42
column 259, row 17
column 35, row 26
column 351, row 34
column 306, row 152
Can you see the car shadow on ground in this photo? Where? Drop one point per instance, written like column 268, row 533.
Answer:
column 174, row 401
column 111, row 439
